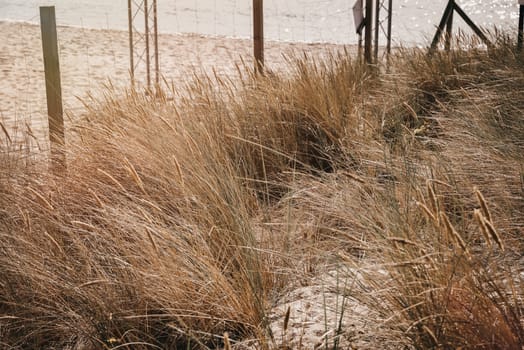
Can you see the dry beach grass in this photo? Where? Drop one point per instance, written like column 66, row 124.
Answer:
column 91, row 58
column 331, row 206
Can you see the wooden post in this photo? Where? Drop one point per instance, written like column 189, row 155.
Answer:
column 368, row 32
column 521, row 26
column 131, row 42
column 377, row 30
column 53, row 86
column 445, row 21
column 440, row 29
column 390, row 21
column 360, row 47
column 449, row 32
column 360, row 24
column 258, row 34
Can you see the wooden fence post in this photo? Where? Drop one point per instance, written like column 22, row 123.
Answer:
column 447, row 21
column 368, row 36
column 53, row 86
column 440, row 29
column 520, row 37
column 258, row 34
column 377, row 30
column 449, row 32
column 390, row 22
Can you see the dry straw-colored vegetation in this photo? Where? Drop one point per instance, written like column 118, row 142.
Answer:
column 184, row 218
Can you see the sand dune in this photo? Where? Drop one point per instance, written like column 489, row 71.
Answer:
column 89, row 58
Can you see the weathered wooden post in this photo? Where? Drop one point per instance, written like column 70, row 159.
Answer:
column 258, row 34
column 360, row 22
column 449, row 31
column 390, row 21
column 447, row 13
column 446, row 21
column 368, row 36
column 53, row 87
column 520, row 38
column 377, row 29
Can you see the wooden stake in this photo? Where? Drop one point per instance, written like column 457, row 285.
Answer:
column 377, row 30
column 449, row 31
column 447, row 20
column 53, row 86
column 521, row 27
column 368, row 36
column 258, row 34
column 440, row 29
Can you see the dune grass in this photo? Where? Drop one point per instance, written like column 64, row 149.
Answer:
column 183, row 219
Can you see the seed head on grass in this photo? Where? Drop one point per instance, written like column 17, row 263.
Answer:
column 481, row 221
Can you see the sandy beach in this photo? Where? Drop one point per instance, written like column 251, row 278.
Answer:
column 90, row 58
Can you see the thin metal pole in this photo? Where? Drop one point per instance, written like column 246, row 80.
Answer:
column 258, row 34
column 368, row 32
column 131, row 48
column 377, row 24
column 521, row 28
column 157, row 68
column 148, row 57
column 53, row 87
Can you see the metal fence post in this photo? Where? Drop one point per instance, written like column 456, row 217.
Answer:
column 148, row 55
column 53, row 86
column 131, row 42
column 155, row 34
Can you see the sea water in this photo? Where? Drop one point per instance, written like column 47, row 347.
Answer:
column 414, row 21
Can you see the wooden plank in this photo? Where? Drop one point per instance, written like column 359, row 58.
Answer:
column 53, row 85
column 258, row 34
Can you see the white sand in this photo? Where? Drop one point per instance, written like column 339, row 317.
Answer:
column 90, row 58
